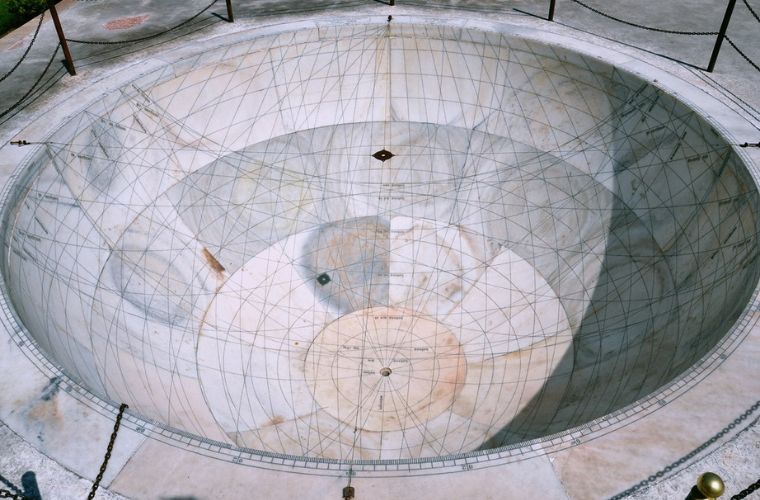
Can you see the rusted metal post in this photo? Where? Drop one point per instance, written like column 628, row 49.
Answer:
column 230, row 17
column 552, row 3
column 62, row 38
column 721, row 35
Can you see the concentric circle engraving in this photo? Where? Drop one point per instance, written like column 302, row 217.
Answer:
column 515, row 241
column 384, row 369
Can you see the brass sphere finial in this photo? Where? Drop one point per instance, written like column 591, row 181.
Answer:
column 710, row 485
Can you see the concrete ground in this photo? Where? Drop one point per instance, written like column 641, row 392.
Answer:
column 89, row 20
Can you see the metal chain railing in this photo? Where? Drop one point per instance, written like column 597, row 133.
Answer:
column 149, row 37
column 26, row 52
column 102, row 471
column 746, row 491
column 14, row 496
column 746, row 58
column 721, row 34
column 736, row 48
column 34, row 86
column 19, row 496
column 681, row 461
column 751, row 10
column 649, row 28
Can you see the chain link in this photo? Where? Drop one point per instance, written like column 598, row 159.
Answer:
column 108, row 452
column 752, row 11
column 141, row 39
column 746, row 491
column 26, row 52
column 14, row 496
column 746, row 58
column 42, row 75
column 659, row 30
column 681, row 461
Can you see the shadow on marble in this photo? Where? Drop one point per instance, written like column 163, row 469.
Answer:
column 29, row 488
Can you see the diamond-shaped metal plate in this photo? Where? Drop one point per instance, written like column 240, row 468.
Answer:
column 383, row 155
column 323, row 279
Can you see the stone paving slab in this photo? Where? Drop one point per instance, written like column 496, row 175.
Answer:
column 109, row 21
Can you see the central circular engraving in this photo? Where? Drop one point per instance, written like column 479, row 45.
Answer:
column 349, row 364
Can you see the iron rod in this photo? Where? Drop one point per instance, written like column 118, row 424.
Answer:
column 552, row 3
column 62, row 38
column 230, row 17
column 721, row 35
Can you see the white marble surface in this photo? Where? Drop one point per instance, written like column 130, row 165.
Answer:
column 529, row 186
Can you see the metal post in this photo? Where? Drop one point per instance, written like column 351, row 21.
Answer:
column 230, row 17
column 551, row 9
column 62, row 38
column 721, row 35
column 393, row 2
column 709, row 486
